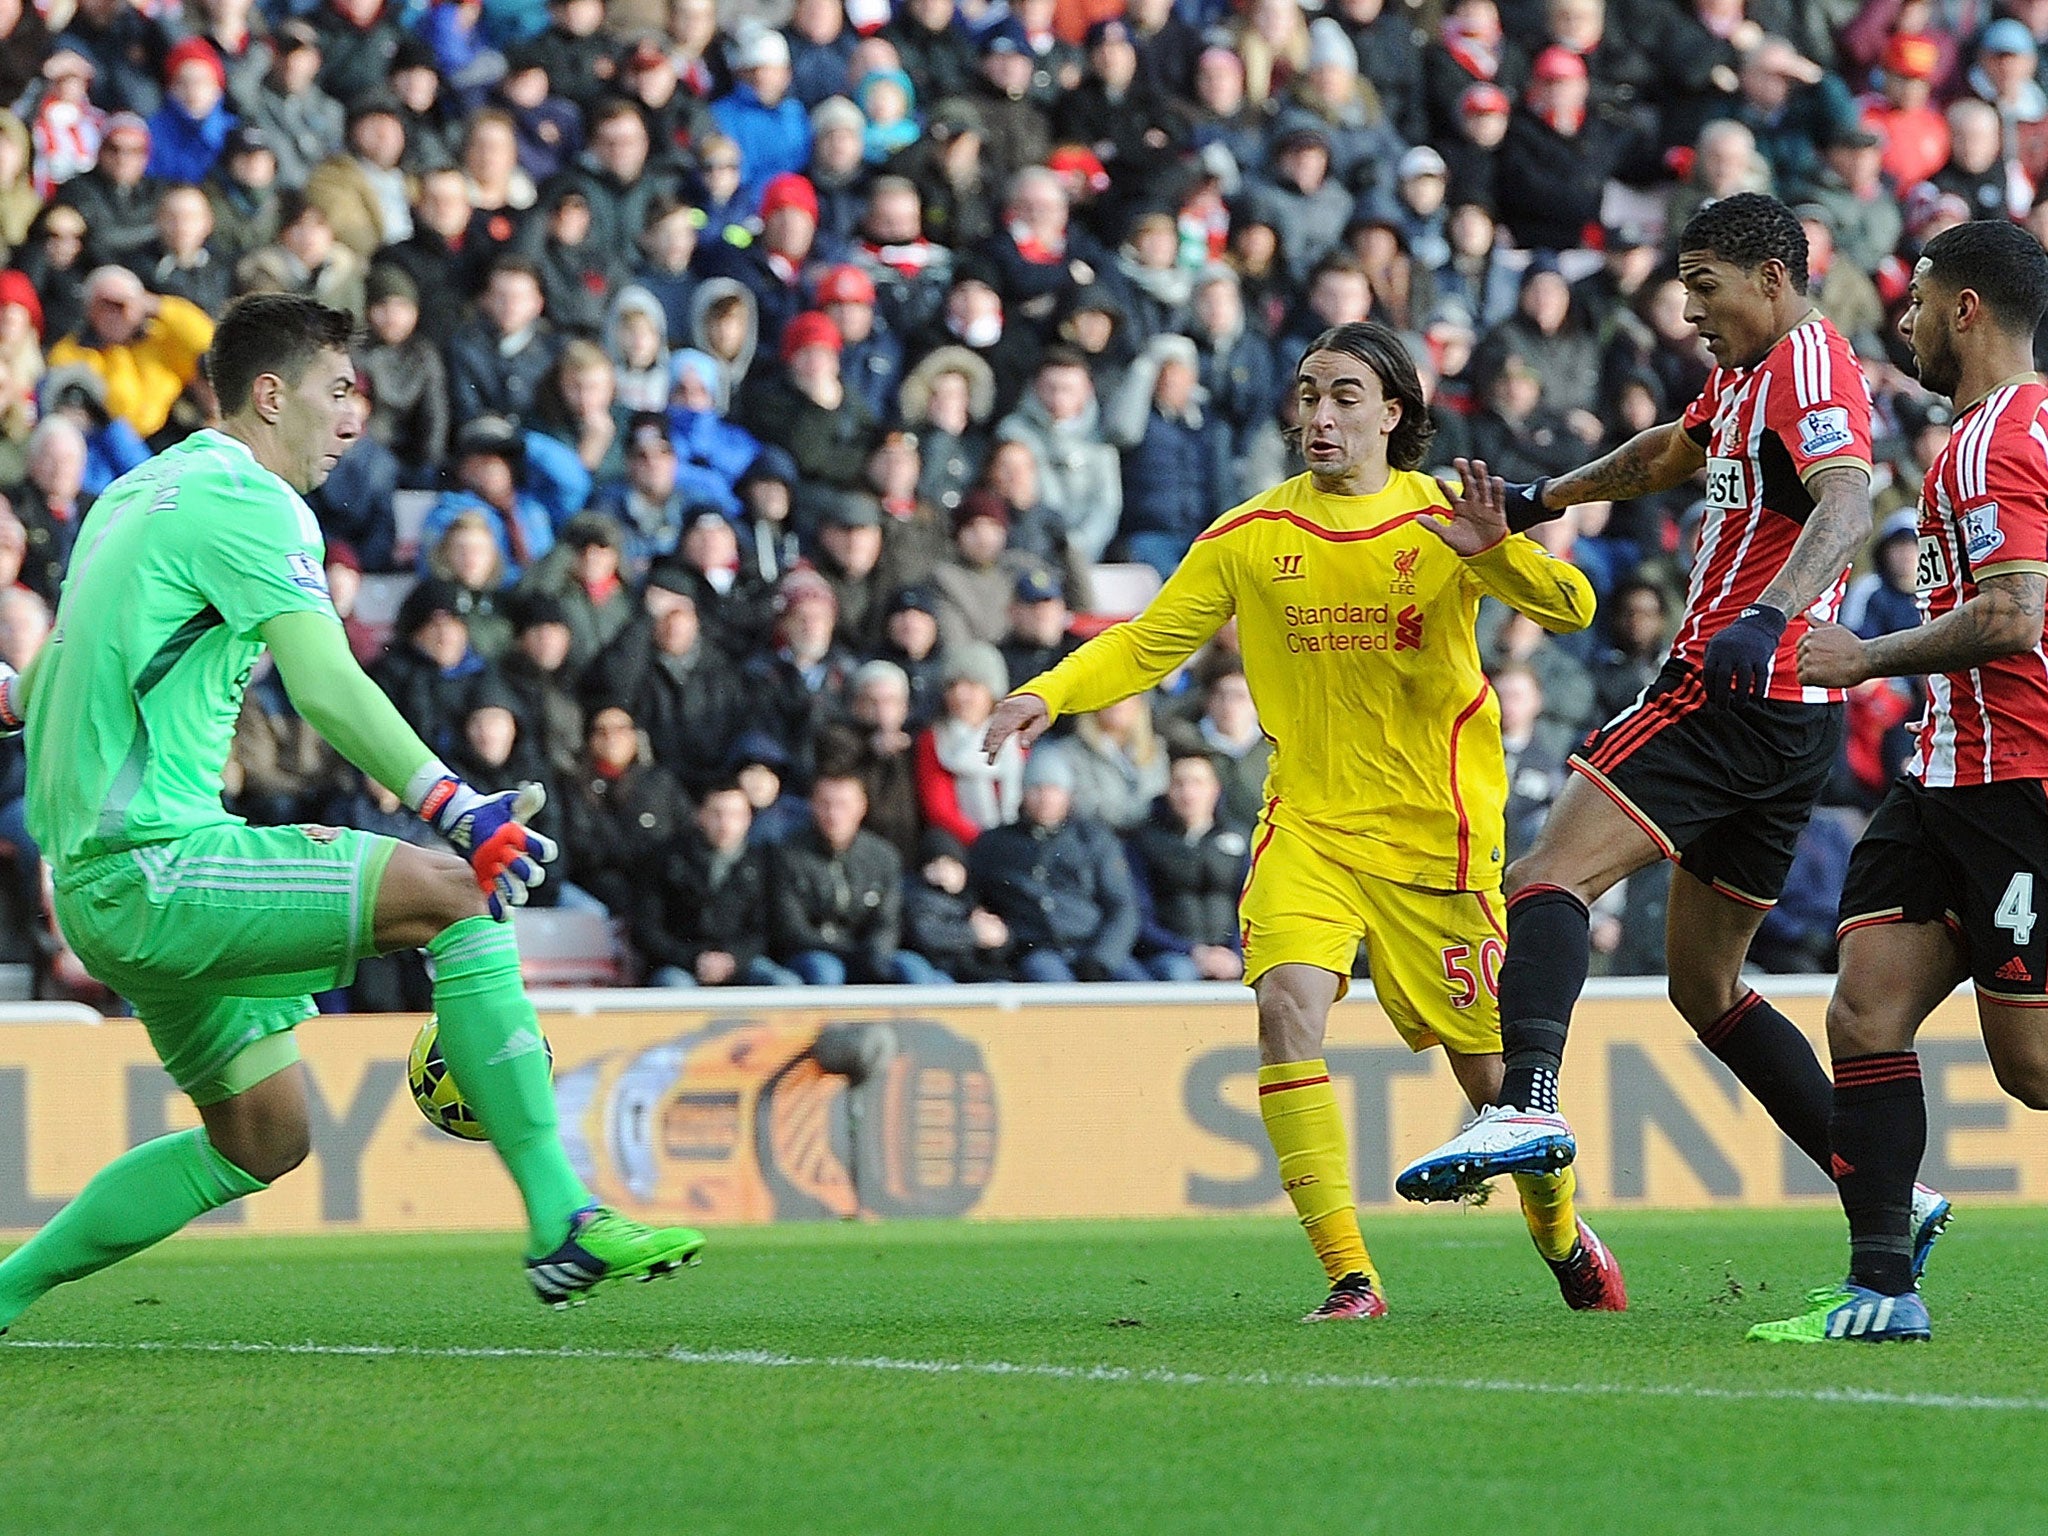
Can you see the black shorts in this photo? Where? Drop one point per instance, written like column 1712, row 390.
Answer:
column 1974, row 857
column 1725, row 792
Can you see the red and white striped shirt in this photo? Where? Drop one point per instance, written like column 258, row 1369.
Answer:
column 1765, row 429
column 1984, row 510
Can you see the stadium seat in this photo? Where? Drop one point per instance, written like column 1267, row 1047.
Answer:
column 378, row 602
column 1118, row 592
column 409, row 511
column 569, row 947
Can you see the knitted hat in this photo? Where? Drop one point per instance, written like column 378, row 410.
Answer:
column 1558, row 63
column 1049, row 766
column 387, row 281
column 846, row 284
column 813, row 328
column 15, row 288
column 836, row 112
column 978, row 662
column 789, row 190
column 1328, row 46
column 1912, row 56
column 195, row 50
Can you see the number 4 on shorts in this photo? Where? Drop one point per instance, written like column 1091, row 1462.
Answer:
column 2015, row 911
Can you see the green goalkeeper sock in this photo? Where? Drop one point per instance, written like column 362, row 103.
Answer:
column 490, row 1038
column 140, row 1198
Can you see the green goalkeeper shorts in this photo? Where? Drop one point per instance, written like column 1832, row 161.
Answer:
column 220, row 939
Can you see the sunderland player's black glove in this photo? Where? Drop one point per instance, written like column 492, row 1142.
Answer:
column 1738, row 660
column 1524, row 505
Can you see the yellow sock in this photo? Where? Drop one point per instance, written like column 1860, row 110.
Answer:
column 1302, row 1120
column 1547, row 1207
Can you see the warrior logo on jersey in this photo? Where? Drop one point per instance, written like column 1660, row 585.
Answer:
column 1288, row 568
column 1981, row 533
column 1824, row 432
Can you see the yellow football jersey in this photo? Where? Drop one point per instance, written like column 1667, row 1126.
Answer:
column 1356, row 625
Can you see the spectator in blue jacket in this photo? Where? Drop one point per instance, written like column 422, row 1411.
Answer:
column 649, row 504
column 1176, row 464
column 770, row 126
column 1237, row 374
column 186, row 133
column 489, row 460
column 1884, row 599
column 547, row 126
column 821, row 47
column 112, row 447
column 711, row 452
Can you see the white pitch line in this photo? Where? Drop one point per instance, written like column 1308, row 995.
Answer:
column 1858, row 1397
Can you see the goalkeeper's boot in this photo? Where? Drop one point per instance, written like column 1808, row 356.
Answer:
column 1590, row 1276
column 603, row 1248
column 1931, row 1212
column 1845, row 1312
column 1498, row 1141
column 1353, row 1299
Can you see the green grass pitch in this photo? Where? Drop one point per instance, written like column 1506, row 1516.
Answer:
column 1084, row 1377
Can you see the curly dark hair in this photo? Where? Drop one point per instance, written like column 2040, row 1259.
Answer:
column 280, row 333
column 2001, row 263
column 1749, row 229
column 1381, row 349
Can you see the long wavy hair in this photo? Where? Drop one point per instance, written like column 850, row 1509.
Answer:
column 1381, row 349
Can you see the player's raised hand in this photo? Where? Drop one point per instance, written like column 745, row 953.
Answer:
column 1023, row 716
column 1831, row 657
column 1478, row 519
column 490, row 831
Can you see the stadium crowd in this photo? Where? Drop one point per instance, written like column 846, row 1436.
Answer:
column 753, row 399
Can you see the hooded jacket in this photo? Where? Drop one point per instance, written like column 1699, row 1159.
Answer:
column 1079, row 477
column 639, row 389
column 709, row 292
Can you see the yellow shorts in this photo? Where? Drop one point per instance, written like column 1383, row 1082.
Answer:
column 1435, row 955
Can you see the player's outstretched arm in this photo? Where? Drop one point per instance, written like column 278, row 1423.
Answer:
column 1658, row 458
column 2003, row 619
column 1519, row 572
column 339, row 701
column 1126, row 658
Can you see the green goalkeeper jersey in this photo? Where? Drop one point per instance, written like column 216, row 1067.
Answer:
column 176, row 569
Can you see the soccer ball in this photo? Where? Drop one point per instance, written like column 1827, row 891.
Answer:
column 434, row 1089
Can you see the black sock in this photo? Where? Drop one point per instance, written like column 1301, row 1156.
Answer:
column 1879, row 1132
column 1772, row 1059
column 1540, row 982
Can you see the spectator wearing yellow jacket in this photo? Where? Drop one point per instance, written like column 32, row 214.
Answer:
column 146, row 346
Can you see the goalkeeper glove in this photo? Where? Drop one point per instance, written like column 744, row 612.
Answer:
column 490, row 832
